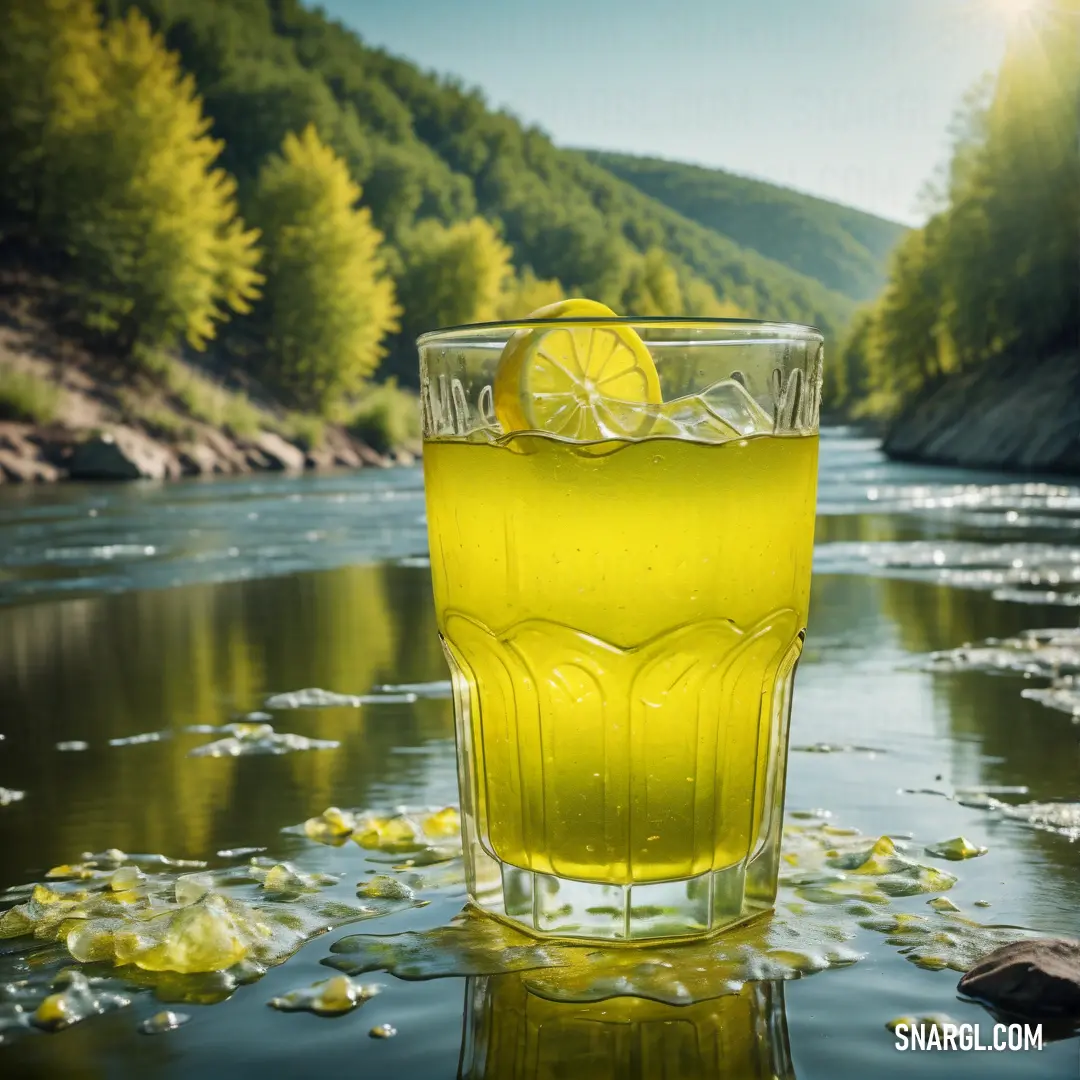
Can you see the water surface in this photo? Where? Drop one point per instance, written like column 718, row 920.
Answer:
column 149, row 608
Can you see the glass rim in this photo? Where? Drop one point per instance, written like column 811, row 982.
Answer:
column 471, row 332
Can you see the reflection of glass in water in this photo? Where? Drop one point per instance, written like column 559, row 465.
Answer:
column 512, row 1034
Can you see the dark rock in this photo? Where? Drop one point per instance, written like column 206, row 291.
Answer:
column 1012, row 412
column 123, row 454
column 1039, row 977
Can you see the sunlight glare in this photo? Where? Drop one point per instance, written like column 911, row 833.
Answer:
column 1015, row 10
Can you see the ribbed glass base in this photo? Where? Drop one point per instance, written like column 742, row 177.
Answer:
column 544, row 904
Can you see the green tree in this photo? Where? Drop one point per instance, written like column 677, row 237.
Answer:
column 524, row 293
column 328, row 301
column 700, row 299
column 51, row 63
column 652, row 286
column 152, row 225
column 995, row 268
column 449, row 275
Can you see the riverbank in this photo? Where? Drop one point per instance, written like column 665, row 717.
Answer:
column 69, row 413
column 1011, row 413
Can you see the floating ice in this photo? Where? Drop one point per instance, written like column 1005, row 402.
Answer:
column 332, row 826
column 838, row 748
column 440, row 688
column 942, row 903
column 384, row 887
column 75, row 999
column 313, row 698
column 1031, row 573
column 144, row 737
column 73, row 745
column 1056, row 817
column 1062, row 694
column 942, row 939
column 9, row 796
column 1050, row 653
column 424, row 836
column 286, row 878
column 229, row 920
column 257, row 738
column 161, row 1022
column 331, row 997
column 956, row 849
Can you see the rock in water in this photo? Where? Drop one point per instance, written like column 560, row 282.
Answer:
column 123, row 454
column 162, row 1022
column 1040, row 977
column 331, row 997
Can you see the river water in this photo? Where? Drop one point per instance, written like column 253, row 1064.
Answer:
column 152, row 609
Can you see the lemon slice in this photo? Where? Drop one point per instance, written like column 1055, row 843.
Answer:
column 581, row 382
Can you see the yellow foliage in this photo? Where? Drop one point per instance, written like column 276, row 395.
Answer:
column 329, row 300
column 524, row 293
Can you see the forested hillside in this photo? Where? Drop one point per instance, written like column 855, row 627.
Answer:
column 249, row 177
column 845, row 249
column 995, row 272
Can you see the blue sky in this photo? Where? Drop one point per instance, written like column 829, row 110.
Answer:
column 848, row 99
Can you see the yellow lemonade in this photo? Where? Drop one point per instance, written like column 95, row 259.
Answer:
column 622, row 616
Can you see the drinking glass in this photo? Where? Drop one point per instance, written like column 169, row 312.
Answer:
column 622, row 614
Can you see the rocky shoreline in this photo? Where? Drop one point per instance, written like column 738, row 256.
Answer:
column 111, row 421
column 1013, row 413
column 33, row 454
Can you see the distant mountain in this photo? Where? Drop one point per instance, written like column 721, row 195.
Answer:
column 845, row 249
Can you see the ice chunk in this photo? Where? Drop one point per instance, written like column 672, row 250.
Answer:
column 313, row 698
column 75, row 1000
column 73, row 745
column 286, row 878
column 442, row 823
column 440, row 688
column 251, row 738
column 943, row 939
column 691, row 418
column 143, row 737
column 942, row 903
column 1062, row 694
column 331, row 997
column 125, row 878
column 957, row 848
column 838, row 748
column 384, row 887
column 332, row 826
column 204, row 936
column 191, row 887
column 732, row 404
column 160, row 1022
column 897, row 875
